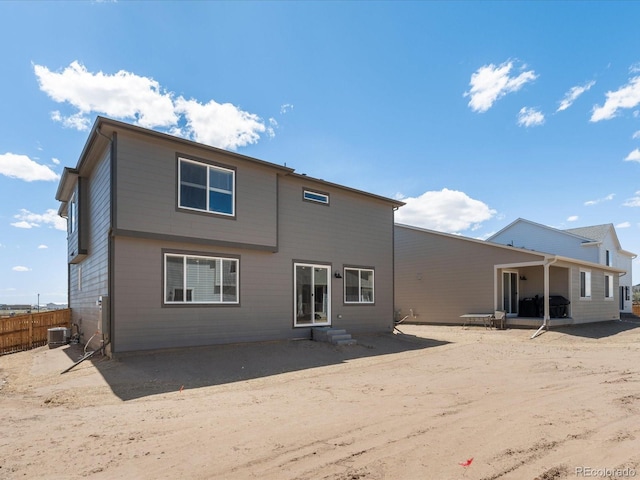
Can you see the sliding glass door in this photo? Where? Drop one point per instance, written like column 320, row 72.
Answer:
column 312, row 295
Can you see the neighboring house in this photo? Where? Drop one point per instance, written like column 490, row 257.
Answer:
column 56, row 306
column 177, row 244
column 596, row 244
column 439, row 277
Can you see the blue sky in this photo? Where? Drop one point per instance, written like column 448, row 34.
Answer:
column 475, row 113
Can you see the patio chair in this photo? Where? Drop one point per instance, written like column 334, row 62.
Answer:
column 499, row 319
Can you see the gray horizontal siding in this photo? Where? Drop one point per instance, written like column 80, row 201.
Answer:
column 143, row 322
column 147, row 195
column 597, row 308
column 442, row 277
column 354, row 230
column 85, row 312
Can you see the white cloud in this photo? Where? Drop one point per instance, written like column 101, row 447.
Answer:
column 490, row 83
column 530, row 117
column 447, row 210
column 222, row 125
column 41, row 247
column 636, row 135
column 573, row 94
column 286, row 108
column 20, row 268
column 55, row 161
column 27, row 219
column 627, row 96
column 633, row 201
column 271, row 129
column 24, row 224
column 573, row 218
column 608, row 198
column 23, row 168
column 634, row 156
column 122, row 95
column 623, row 225
column 143, row 101
column 77, row 121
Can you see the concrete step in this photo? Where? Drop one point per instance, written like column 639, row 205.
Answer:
column 350, row 341
column 333, row 338
column 336, row 336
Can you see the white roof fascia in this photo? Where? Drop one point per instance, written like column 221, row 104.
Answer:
column 546, row 227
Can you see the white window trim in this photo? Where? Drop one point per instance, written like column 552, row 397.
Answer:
column 361, row 301
column 184, row 279
column 587, row 284
column 317, row 197
column 208, row 188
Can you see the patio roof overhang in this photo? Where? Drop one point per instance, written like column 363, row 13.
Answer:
column 546, row 263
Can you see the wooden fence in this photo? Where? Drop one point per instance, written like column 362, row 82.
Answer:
column 24, row 332
column 636, row 309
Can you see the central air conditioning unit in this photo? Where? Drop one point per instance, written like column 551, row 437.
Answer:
column 58, row 336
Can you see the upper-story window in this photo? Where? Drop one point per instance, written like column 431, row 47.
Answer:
column 608, row 258
column 206, row 188
column 72, row 216
column 317, row 197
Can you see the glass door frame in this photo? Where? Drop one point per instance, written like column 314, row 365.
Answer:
column 510, row 292
column 302, row 307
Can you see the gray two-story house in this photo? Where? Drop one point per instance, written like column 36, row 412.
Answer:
column 172, row 243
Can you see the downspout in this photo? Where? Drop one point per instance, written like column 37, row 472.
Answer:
column 495, row 290
column 111, row 239
column 394, row 209
column 545, row 321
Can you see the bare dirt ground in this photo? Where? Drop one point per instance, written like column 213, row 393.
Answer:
column 414, row 405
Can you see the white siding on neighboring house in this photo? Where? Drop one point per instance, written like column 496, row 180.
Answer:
column 533, row 236
column 596, row 244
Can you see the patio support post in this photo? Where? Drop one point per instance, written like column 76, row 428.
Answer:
column 545, row 320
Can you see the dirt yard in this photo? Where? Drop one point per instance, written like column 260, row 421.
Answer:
column 433, row 402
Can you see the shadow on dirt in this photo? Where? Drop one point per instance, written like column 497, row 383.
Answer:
column 138, row 375
column 599, row 329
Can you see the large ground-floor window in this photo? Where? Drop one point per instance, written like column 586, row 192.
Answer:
column 358, row 285
column 190, row 279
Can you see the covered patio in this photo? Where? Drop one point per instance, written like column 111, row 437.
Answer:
column 549, row 293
